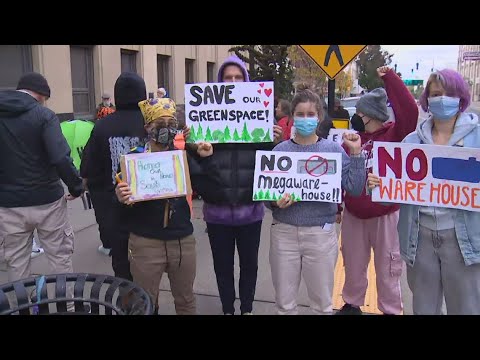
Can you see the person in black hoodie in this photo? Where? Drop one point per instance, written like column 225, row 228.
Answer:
column 34, row 157
column 112, row 137
column 232, row 217
column 161, row 232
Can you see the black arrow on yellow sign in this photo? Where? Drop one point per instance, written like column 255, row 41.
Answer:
column 333, row 49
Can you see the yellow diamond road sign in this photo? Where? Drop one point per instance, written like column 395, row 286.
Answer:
column 333, row 58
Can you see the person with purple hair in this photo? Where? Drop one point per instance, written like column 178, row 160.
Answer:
column 441, row 246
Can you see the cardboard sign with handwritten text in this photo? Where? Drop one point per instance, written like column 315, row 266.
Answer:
column 157, row 175
column 427, row 175
column 305, row 176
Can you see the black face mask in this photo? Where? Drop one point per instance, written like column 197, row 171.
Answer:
column 163, row 136
column 357, row 123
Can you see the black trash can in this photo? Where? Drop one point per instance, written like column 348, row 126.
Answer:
column 92, row 295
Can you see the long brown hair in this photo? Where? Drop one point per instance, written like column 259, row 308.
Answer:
column 307, row 93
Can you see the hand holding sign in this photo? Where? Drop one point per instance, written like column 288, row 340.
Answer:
column 285, row 201
column 277, row 133
column 353, row 143
column 123, row 193
column 205, row 149
column 373, row 181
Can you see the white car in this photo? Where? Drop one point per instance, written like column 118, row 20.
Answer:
column 350, row 102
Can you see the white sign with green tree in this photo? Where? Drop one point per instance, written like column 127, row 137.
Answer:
column 240, row 112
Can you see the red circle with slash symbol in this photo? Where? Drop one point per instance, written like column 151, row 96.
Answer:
column 313, row 164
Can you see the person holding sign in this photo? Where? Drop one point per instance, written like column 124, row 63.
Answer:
column 303, row 239
column 441, row 246
column 161, row 231
column 368, row 225
column 229, row 211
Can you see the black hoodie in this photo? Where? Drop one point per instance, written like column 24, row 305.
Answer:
column 115, row 135
column 34, row 155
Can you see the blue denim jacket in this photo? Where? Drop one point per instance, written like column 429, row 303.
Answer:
column 467, row 223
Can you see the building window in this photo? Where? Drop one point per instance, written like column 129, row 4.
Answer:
column 15, row 60
column 163, row 71
column 189, row 71
column 128, row 60
column 210, row 72
column 83, row 90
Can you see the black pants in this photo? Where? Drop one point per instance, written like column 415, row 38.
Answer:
column 113, row 233
column 222, row 241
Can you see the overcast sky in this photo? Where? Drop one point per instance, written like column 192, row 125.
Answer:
column 428, row 56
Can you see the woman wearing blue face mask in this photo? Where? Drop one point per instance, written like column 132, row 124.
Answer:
column 441, row 246
column 303, row 235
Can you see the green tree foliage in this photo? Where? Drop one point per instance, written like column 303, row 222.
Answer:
column 258, row 134
column 368, row 61
column 269, row 63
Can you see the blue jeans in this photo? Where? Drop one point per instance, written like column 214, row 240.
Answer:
column 222, row 241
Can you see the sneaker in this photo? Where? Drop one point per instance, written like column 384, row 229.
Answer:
column 348, row 309
column 103, row 250
column 36, row 251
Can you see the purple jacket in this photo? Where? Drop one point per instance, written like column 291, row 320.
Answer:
column 231, row 208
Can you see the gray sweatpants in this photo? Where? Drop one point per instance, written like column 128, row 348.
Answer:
column 439, row 270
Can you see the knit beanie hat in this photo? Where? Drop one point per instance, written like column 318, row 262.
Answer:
column 34, row 82
column 374, row 105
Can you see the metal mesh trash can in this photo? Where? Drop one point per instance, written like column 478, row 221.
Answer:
column 92, row 295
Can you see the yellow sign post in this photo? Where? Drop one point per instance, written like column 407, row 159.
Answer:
column 333, row 58
column 341, row 123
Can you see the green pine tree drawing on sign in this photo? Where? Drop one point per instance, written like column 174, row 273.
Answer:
column 274, row 197
column 199, row 136
column 255, row 196
column 245, row 134
column 236, row 137
column 191, row 138
column 216, row 134
column 226, row 134
column 257, row 135
column 260, row 195
column 267, row 137
column 208, row 135
column 267, row 195
column 296, row 197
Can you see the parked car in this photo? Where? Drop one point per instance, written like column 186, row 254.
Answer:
column 349, row 104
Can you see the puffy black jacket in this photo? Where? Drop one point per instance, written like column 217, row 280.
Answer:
column 34, row 154
column 115, row 135
column 231, row 170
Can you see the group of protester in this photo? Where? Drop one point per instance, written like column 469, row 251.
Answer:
column 441, row 247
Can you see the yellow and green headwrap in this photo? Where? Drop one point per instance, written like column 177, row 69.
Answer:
column 155, row 108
